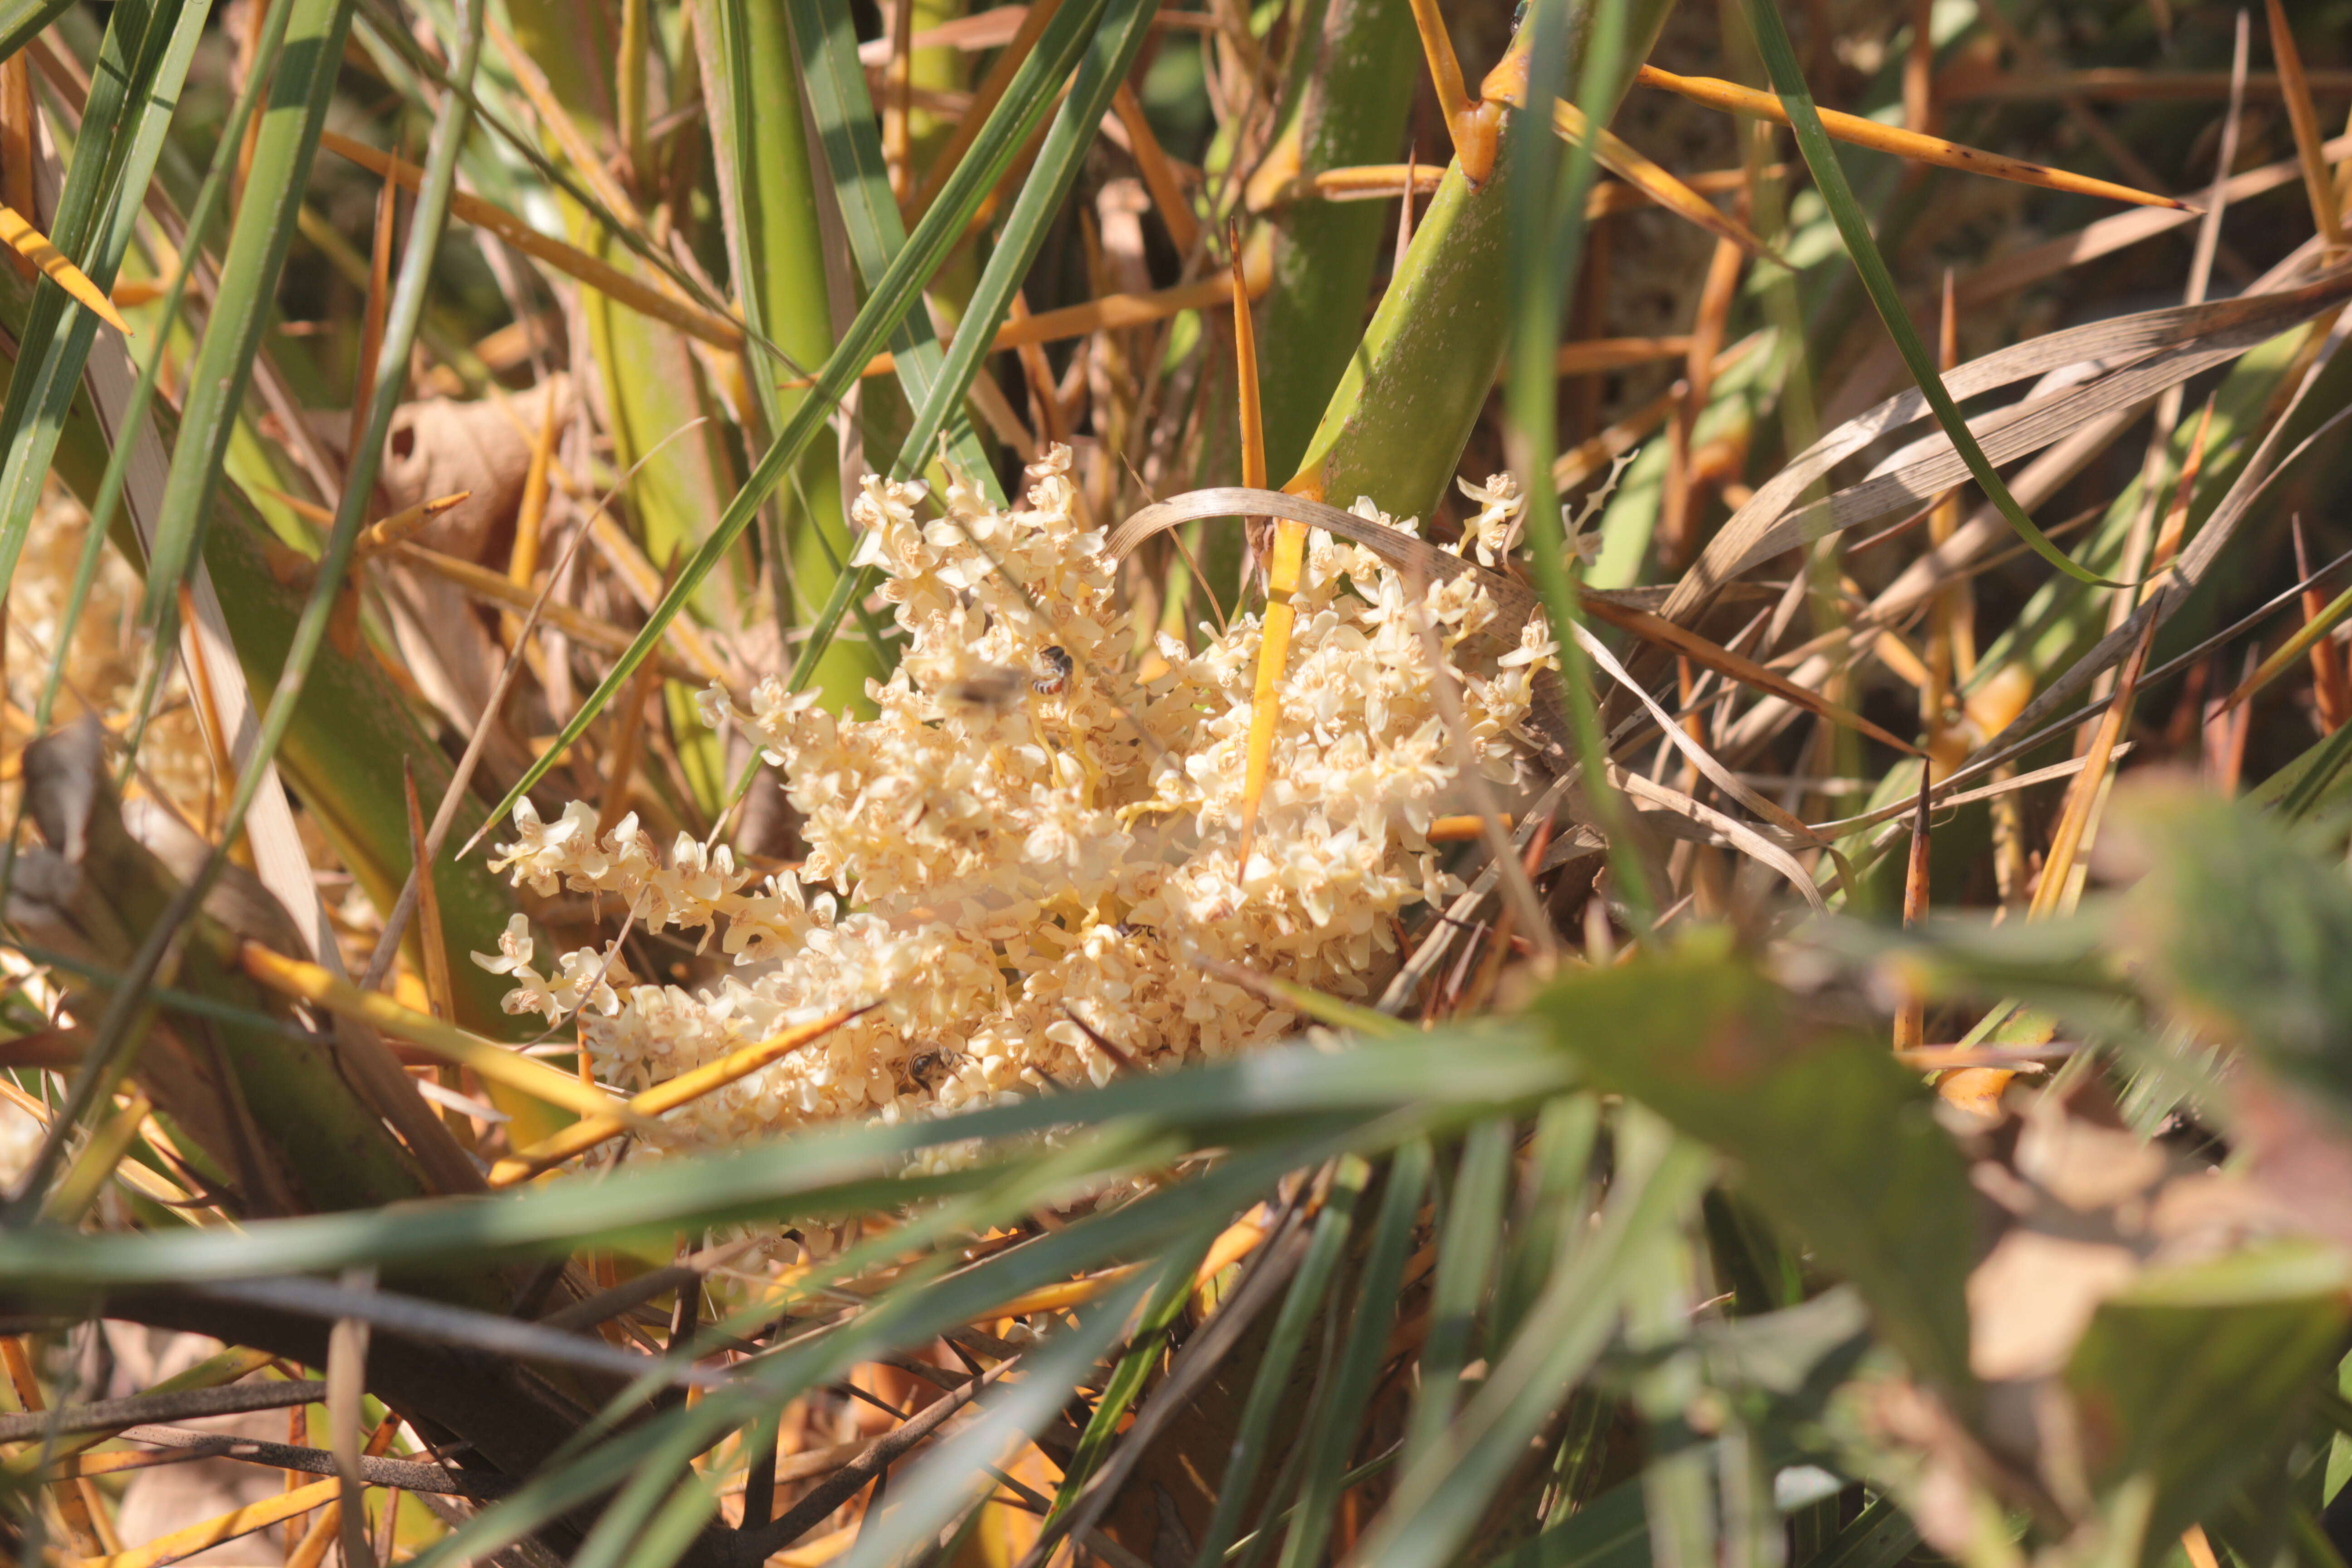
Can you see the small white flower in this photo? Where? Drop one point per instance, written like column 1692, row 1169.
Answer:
column 514, row 947
column 1495, row 531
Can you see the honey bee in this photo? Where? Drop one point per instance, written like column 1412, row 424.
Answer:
column 926, row 1068
column 1056, row 675
column 993, row 687
column 998, row 687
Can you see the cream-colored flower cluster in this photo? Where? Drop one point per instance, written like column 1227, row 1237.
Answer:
column 1029, row 856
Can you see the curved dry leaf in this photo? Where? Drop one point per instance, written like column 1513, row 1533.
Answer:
column 1716, row 826
column 2154, row 350
column 1700, row 757
column 439, row 446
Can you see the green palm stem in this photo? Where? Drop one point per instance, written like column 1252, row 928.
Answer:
column 768, row 198
column 1352, row 84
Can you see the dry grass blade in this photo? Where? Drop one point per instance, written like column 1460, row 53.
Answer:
column 531, row 513
column 1233, row 1244
column 977, row 33
column 1683, row 486
column 1506, row 84
column 984, row 100
column 1608, row 197
column 2331, row 690
column 594, row 170
column 615, row 285
column 1854, row 130
column 1944, row 1059
column 641, row 1111
column 1593, row 355
column 2167, row 548
column 1709, row 826
column 200, row 1393
column 439, row 995
column 1378, row 182
column 496, row 1063
column 34, row 245
column 1158, row 174
column 2118, row 152
column 327, row 1528
column 181, row 1447
column 384, row 532
column 2082, row 796
column 17, row 119
column 100, row 1158
column 1282, row 551
column 2220, row 525
column 1052, row 419
column 1713, row 770
column 195, row 1538
column 1359, row 183
column 280, row 856
column 2295, row 88
column 1979, row 1089
column 2112, row 233
column 897, row 99
column 347, row 1347
column 2308, row 639
column 1952, row 647
column 379, row 299
column 1947, row 792
column 1679, row 639
column 494, row 587
column 1460, row 829
column 73, row 1507
column 1104, row 314
column 1615, row 154
column 374, row 540
column 213, row 1372
column 1911, row 1014
column 629, row 738
column 2146, row 353
column 2019, row 735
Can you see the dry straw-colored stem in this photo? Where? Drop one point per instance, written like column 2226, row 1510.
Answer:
column 1104, row 314
column 683, row 1089
column 1733, row 98
column 577, row 624
column 491, row 1061
column 1159, row 172
column 718, row 330
column 2295, row 88
column 34, row 245
column 229, row 1526
column 984, row 100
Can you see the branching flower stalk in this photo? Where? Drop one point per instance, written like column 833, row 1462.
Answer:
column 1031, row 849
